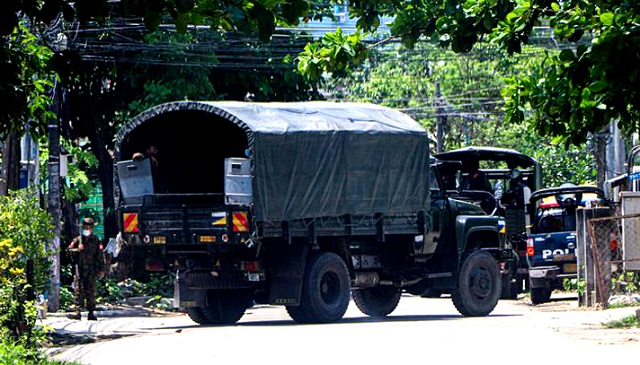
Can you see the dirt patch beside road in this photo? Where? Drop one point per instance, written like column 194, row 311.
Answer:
column 587, row 323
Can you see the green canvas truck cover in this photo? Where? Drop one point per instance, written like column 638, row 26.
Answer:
column 308, row 159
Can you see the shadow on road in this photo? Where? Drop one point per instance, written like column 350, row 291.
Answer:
column 343, row 321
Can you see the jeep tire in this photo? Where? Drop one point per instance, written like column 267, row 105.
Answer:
column 479, row 285
column 540, row 295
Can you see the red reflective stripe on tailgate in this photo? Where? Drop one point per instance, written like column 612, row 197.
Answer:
column 240, row 222
column 131, row 222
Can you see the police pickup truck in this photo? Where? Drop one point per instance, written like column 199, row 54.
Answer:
column 551, row 243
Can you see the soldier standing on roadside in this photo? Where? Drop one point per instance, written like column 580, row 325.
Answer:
column 87, row 249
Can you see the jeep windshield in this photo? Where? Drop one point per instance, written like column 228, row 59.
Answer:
column 555, row 208
column 555, row 220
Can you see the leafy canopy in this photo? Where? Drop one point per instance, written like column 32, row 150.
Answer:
column 594, row 79
column 470, row 103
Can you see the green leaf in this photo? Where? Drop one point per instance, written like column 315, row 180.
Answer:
column 598, row 86
column 607, row 19
column 294, row 10
column 566, row 56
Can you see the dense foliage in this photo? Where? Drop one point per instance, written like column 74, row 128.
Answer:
column 570, row 94
column 25, row 231
column 469, row 105
column 25, row 81
column 34, row 35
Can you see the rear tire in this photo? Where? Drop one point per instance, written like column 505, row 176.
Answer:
column 297, row 314
column 509, row 287
column 197, row 315
column 225, row 308
column 479, row 285
column 540, row 295
column 377, row 301
column 325, row 290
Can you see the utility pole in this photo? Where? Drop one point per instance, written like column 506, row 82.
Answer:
column 53, row 198
column 440, row 120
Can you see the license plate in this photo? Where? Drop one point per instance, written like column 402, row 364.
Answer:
column 159, row 240
column 253, row 276
column 568, row 257
column 207, row 239
column 570, row 268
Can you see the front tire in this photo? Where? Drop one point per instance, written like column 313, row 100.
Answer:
column 479, row 285
column 378, row 301
column 325, row 290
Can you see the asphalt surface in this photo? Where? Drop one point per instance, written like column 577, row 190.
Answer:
column 559, row 323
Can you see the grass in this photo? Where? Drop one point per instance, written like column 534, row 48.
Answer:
column 624, row 322
column 623, row 305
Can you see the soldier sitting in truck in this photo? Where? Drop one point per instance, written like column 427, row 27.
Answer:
column 519, row 192
column 151, row 152
column 476, row 179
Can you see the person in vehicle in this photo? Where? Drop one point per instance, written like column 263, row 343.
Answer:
column 519, row 192
column 450, row 181
column 151, row 152
column 476, row 179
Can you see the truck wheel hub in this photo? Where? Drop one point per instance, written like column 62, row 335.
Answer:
column 481, row 284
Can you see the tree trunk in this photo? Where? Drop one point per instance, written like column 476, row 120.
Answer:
column 10, row 164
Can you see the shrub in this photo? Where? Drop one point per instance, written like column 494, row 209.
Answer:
column 625, row 322
column 25, row 233
column 17, row 354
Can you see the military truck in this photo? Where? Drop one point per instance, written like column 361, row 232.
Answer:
column 300, row 204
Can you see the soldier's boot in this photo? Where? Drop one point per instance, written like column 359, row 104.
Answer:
column 75, row 316
column 92, row 317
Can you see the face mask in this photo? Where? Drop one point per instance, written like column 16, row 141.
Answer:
column 86, row 232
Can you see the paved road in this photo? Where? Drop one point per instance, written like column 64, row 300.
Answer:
column 420, row 330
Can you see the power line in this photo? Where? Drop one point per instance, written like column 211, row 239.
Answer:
column 227, row 49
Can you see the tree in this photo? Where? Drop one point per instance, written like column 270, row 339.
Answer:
column 570, row 94
column 470, row 87
column 91, row 88
column 25, row 84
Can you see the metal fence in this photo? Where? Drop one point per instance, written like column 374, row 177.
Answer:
column 608, row 255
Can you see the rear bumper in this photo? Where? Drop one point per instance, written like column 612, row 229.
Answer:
column 545, row 272
column 541, row 276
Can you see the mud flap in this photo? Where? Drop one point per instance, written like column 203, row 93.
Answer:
column 287, row 272
column 183, row 297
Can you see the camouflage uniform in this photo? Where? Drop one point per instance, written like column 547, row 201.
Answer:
column 89, row 261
